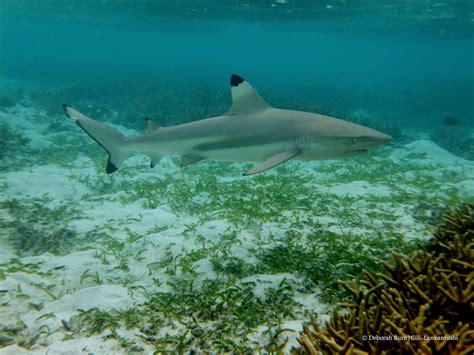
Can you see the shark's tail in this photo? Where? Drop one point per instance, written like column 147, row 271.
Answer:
column 112, row 141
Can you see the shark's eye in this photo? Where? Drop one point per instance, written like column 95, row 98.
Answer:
column 355, row 140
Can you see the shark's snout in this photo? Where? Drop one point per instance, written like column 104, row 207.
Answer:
column 373, row 138
column 381, row 138
column 368, row 140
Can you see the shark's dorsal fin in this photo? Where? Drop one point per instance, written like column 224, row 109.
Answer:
column 274, row 160
column 150, row 125
column 244, row 97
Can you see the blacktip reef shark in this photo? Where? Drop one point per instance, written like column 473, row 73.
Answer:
column 250, row 131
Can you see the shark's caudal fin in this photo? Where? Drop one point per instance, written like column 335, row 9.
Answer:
column 244, row 97
column 109, row 139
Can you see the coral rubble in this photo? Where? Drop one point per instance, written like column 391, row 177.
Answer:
column 423, row 305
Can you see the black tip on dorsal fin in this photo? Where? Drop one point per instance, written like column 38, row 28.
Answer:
column 235, row 80
column 151, row 125
column 244, row 97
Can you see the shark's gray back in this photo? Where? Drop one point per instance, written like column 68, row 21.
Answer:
column 250, row 130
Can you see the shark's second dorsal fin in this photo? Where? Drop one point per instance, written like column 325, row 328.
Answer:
column 244, row 97
column 150, row 125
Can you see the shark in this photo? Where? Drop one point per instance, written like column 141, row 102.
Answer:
column 251, row 130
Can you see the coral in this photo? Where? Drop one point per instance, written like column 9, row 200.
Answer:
column 423, row 305
column 457, row 226
column 450, row 121
column 456, row 139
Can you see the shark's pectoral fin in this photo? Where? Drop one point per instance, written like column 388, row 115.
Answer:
column 273, row 160
column 190, row 159
column 155, row 159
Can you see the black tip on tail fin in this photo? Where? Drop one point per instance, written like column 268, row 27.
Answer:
column 113, row 142
column 110, row 167
column 235, row 80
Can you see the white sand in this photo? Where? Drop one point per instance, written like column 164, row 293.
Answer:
column 71, row 293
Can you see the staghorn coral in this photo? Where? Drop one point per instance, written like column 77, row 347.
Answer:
column 456, row 226
column 457, row 140
column 424, row 305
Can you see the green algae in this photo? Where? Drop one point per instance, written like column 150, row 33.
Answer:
column 323, row 258
column 33, row 228
column 15, row 265
column 214, row 315
column 14, row 147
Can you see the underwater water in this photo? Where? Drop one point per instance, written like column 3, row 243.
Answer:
column 201, row 257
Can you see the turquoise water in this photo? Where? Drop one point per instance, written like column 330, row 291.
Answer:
column 397, row 59
column 200, row 257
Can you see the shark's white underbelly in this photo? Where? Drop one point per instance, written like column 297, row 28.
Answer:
column 247, row 153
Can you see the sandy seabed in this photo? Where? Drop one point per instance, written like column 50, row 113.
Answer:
column 91, row 275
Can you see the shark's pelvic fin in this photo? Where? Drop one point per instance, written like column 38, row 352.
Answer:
column 155, row 159
column 273, row 160
column 244, row 97
column 190, row 159
column 112, row 141
column 151, row 125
